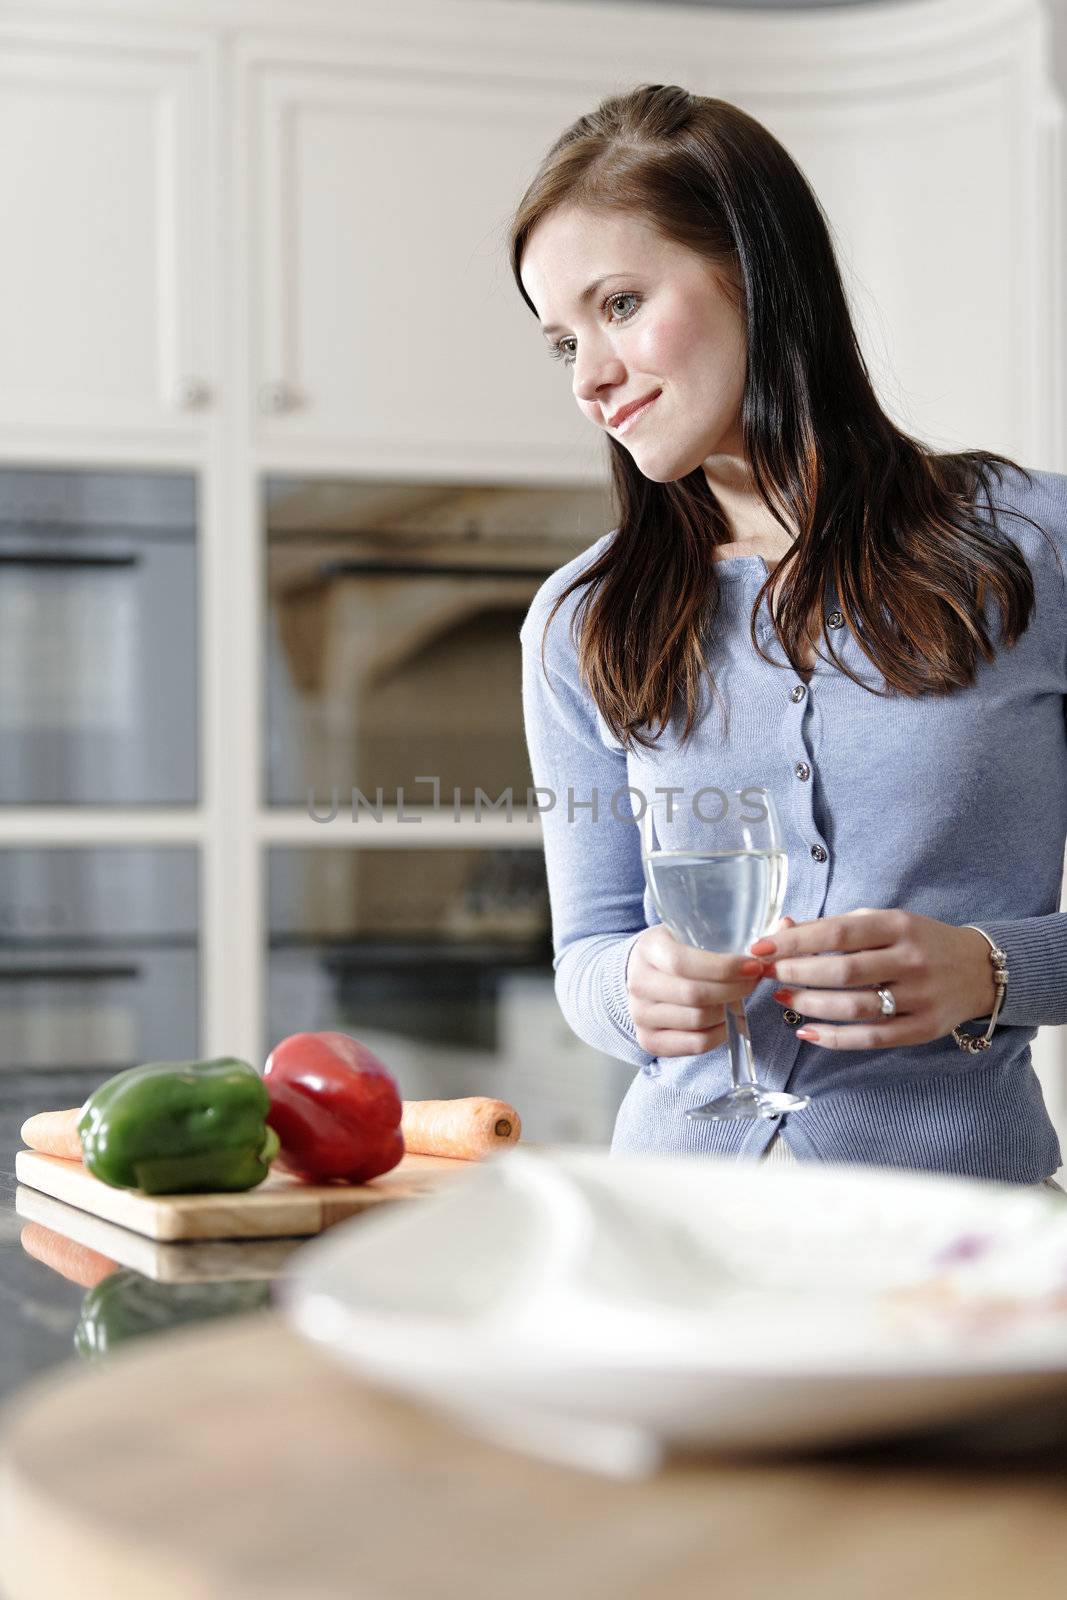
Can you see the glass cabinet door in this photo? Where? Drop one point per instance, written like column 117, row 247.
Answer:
column 392, row 647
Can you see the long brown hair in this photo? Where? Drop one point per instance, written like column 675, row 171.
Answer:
column 895, row 525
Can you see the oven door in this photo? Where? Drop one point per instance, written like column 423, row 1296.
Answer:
column 106, row 1007
column 98, row 957
column 98, row 668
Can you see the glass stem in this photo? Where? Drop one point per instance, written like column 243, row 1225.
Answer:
column 742, row 1063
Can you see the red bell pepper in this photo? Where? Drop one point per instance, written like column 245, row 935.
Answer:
column 335, row 1108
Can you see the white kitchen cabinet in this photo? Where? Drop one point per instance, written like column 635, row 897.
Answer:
column 919, row 166
column 363, row 163
column 384, row 315
column 384, row 319
column 107, row 294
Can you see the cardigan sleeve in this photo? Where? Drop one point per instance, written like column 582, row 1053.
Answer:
column 592, row 856
column 1036, row 948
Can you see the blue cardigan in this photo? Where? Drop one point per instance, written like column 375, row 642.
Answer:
column 953, row 806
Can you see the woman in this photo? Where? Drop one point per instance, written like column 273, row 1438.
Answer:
column 799, row 595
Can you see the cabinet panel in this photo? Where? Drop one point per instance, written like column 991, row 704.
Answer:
column 944, row 299
column 106, row 289
column 385, row 312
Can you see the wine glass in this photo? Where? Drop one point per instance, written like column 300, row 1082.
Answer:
column 716, row 870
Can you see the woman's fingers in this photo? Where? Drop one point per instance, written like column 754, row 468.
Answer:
column 656, row 987
column 663, row 968
column 677, row 993
column 679, row 1042
column 839, row 1005
column 690, row 1019
column 866, row 968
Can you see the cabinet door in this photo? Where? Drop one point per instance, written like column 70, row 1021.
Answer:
column 953, row 311
column 934, row 142
column 106, row 292
column 387, row 327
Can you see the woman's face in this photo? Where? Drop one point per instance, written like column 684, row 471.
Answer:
column 662, row 322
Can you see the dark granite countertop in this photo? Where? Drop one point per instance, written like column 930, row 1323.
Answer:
column 45, row 1318
column 39, row 1309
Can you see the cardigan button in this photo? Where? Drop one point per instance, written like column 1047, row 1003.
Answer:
column 835, row 620
column 818, row 853
column 803, row 771
column 798, row 692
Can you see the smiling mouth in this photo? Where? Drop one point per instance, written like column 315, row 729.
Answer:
column 632, row 416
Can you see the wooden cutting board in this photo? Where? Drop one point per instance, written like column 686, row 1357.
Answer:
column 280, row 1207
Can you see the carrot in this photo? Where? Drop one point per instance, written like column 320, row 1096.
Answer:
column 466, row 1129
column 54, row 1133
column 65, row 1256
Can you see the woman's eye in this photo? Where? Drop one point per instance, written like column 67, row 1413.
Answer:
column 560, row 351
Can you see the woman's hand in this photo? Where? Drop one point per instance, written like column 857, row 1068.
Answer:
column 940, row 976
column 678, row 994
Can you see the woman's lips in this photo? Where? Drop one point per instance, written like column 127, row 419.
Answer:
column 635, row 416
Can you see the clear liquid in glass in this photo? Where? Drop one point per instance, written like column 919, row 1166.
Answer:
column 718, row 900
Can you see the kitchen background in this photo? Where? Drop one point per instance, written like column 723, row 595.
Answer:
column 282, row 464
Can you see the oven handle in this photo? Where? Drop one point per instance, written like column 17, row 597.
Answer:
column 60, row 558
column 81, row 974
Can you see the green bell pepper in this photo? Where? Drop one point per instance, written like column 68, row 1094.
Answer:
column 180, row 1127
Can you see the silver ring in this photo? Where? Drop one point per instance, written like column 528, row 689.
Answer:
column 889, row 1005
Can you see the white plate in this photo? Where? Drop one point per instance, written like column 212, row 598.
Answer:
column 604, row 1309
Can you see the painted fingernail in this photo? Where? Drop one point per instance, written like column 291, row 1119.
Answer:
column 763, row 947
column 808, row 1033
column 749, row 967
column 784, row 995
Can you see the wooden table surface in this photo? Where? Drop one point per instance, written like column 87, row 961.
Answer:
column 233, row 1461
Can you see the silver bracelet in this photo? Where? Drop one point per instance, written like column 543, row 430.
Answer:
column 972, row 1042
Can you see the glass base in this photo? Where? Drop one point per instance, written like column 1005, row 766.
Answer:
column 746, row 1103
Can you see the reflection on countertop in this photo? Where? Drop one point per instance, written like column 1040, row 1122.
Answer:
column 75, row 1287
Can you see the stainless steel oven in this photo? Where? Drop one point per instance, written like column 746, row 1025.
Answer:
column 98, row 637
column 440, row 960
column 98, row 957
column 393, row 615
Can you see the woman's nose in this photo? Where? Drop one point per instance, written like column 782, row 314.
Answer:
column 596, row 377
